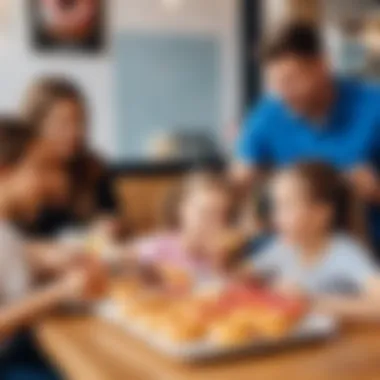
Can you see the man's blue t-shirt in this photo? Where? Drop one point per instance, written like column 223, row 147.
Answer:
column 275, row 136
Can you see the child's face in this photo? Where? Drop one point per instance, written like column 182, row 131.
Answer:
column 295, row 215
column 204, row 211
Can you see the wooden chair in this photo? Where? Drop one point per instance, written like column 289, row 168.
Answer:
column 141, row 198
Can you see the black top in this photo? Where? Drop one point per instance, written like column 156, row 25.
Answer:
column 52, row 220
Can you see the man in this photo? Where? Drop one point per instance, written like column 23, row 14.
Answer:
column 310, row 115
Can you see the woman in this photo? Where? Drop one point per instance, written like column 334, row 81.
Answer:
column 58, row 110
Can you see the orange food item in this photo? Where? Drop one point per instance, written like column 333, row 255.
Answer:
column 123, row 290
column 234, row 315
column 235, row 329
column 176, row 279
column 187, row 330
column 271, row 324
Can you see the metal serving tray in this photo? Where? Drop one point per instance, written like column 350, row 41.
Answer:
column 313, row 328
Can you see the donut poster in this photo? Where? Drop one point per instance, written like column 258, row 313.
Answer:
column 72, row 25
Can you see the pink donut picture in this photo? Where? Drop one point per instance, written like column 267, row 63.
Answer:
column 70, row 24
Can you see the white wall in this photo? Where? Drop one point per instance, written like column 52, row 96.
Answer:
column 340, row 8
column 274, row 12
column 19, row 64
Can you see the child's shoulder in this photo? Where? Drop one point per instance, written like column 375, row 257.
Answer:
column 347, row 247
column 276, row 250
column 344, row 240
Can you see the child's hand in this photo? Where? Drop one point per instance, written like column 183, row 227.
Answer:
column 223, row 247
column 244, row 273
column 289, row 289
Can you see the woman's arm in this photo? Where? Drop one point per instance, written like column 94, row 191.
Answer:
column 25, row 311
column 48, row 258
column 86, row 281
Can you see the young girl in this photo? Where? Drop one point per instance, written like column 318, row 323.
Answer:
column 313, row 253
column 199, row 240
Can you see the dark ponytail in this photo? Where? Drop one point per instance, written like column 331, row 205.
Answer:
column 325, row 184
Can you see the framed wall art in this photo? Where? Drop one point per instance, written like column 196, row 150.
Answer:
column 68, row 25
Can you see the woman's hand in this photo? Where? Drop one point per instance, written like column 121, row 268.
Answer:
column 107, row 226
column 86, row 280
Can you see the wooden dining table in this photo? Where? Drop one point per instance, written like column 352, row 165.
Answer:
column 89, row 348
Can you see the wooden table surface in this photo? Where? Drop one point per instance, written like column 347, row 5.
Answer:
column 88, row 348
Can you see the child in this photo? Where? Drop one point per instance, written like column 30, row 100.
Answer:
column 199, row 240
column 312, row 252
column 24, row 178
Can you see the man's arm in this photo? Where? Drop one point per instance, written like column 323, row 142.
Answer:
column 252, row 151
column 244, row 177
column 366, row 183
column 365, row 177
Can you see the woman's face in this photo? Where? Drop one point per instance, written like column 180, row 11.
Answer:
column 63, row 129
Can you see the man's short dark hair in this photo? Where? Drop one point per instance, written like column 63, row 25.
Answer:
column 15, row 139
column 297, row 38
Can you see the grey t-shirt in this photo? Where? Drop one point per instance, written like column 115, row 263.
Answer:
column 344, row 267
column 15, row 275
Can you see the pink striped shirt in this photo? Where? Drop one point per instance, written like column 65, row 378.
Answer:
column 167, row 248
